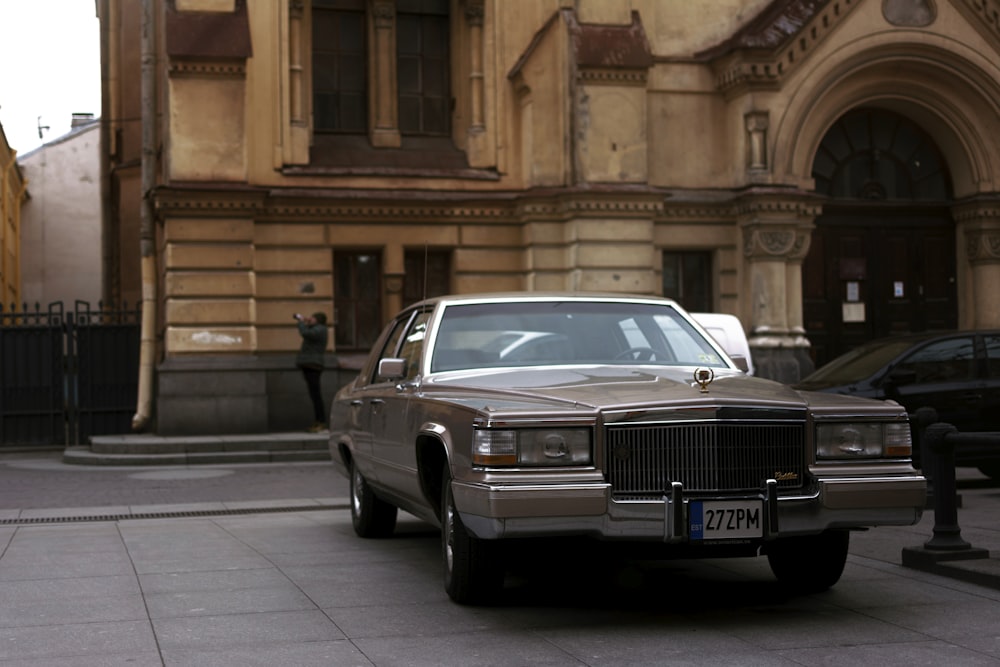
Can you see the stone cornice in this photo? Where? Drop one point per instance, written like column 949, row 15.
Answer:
column 761, row 54
column 979, row 218
column 758, row 207
column 753, row 203
column 984, row 208
column 985, row 13
column 196, row 200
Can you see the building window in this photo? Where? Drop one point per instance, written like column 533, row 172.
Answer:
column 873, row 154
column 340, row 80
column 357, row 305
column 428, row 273
column 687, row 278
column 381, row 68
column 422, row 67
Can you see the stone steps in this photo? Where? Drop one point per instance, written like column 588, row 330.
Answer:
column 147, row 449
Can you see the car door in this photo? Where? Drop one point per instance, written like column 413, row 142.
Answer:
column 368, row 402
column 991, row 387
column 942, row 374
column 393, row 425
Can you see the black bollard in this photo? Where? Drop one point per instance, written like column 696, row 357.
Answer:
column 947, row 534
column 946, row 544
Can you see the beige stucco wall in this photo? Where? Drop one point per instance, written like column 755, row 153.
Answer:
column 61, row 222
column 675, row 129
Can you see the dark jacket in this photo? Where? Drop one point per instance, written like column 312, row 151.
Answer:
column 313, row 348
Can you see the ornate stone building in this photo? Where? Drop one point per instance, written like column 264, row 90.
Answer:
column 827, row 170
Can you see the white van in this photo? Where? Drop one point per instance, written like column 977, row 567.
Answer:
column 727, row 330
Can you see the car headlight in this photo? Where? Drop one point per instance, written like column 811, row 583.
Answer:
column 859, row 440
column 531, row 447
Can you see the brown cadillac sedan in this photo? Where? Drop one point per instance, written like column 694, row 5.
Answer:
column 503, row 417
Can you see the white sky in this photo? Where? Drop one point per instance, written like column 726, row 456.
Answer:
column 50, row 66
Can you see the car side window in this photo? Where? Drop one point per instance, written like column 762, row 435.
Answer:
column 413, row 343
column 950, row 360
column 391, row 343
column 993, row 355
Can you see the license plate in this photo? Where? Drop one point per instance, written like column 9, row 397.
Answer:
column 725, row 519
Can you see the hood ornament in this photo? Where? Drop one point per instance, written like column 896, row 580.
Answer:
column 704, row 377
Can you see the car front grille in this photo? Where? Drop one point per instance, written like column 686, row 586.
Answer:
column 643, row 460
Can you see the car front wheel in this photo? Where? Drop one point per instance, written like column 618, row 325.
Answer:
column 371, row 516
column 473, row 573
column 810, row 563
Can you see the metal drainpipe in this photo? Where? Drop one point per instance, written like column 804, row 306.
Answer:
column 147, row 232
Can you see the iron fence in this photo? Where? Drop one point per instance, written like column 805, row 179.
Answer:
column 65, row 376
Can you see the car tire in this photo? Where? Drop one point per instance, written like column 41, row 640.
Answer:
column 370, row 515
column 810, row 563
column 473, row 572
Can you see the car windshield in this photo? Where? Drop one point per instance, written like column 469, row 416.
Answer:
column 858, row 364
column 540, row 333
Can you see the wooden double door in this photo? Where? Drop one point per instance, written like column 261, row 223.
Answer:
column 877, row 272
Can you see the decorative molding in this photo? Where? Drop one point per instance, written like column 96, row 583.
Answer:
column 196, row 68
column 985, row 209
column 909, row 13
column 756, row 207
column 987, row 12
column 384, row 13
column 772, row 243
column 616, row 76
column 756, row 123
column 983, row 246
column 475, row 12
column 346, row 206
column 773, row 44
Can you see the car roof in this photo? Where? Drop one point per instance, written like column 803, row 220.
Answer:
column 930, row 335
column 489, row 297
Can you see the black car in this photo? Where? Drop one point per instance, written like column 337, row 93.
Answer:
column 956, row 373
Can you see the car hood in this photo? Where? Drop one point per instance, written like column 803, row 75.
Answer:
column 606, row 387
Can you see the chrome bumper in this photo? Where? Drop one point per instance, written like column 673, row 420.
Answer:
column 494, row 511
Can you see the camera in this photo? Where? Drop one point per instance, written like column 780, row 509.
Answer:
column 297, row 316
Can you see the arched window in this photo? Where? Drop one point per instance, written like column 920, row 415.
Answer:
column 878, row 155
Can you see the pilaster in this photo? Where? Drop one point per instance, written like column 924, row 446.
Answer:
column 475, row 17
column 776, row 228
column 979, row 224
column 382, row 60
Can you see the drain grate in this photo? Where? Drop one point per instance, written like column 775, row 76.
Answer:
column 22, row 521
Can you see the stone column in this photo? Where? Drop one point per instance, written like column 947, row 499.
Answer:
column 776, row 231
column 979, row 223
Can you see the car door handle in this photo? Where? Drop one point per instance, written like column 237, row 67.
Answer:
column 972, row 397
column 378, row 401
column 356, row 403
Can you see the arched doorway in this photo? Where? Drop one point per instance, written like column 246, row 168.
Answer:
column 882, row 256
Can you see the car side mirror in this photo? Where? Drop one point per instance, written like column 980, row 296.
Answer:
column 391, row 369
column 741, row 362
